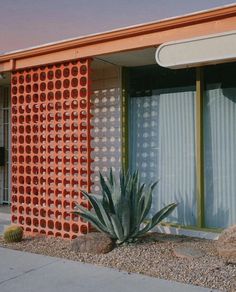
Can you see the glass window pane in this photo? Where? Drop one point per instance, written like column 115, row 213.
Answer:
column 162, row 141
column 220, row 145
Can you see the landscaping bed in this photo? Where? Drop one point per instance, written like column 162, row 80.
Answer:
column 154, row 255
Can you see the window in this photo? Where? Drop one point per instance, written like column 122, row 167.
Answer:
column 187, row 140
column 220, row 145
column 162, row 136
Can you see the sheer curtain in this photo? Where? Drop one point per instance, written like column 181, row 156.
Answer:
column 220, row 155
column 162, row 147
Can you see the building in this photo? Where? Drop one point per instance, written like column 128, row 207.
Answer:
column 72, row 108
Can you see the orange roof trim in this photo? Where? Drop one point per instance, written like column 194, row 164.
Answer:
column 130, row 38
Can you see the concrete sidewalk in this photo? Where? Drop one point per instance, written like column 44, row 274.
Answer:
column 26, row 272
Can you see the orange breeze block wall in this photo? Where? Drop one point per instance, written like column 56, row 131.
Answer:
column 51, row 147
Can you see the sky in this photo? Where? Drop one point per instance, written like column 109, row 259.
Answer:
column 26, row 23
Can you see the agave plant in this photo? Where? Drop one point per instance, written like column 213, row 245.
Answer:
column 122, row 210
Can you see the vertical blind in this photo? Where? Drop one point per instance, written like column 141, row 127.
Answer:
column 220, row 155
column 162, row 147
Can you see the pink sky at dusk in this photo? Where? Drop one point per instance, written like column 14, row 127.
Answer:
column 25, row 23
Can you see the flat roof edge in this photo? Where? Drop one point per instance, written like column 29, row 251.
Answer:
column 199, row 16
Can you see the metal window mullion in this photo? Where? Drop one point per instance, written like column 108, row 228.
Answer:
column 200, row 148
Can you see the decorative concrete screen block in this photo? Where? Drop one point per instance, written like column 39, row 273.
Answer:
column 106, row 130
column 51, row 147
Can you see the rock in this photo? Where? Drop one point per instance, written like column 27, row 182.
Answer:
column 187, row 252
column 226, row 244
column 162, row 237
column 94, row 242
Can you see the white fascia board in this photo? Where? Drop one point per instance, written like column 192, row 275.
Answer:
column 205, row 50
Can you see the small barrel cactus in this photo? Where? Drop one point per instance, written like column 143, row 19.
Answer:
column 13, row 234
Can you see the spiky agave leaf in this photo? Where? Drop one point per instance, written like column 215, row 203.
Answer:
column 146, row 201
column 92, row 218
column 157, row 218
column 125, row 218
column 100, row 213
column 95, row 205
column 107, row 194
column 136, row 213
column 117, row 228
column 123, row 208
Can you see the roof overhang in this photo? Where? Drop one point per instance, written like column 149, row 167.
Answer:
column 206, row 50
column 127, row 39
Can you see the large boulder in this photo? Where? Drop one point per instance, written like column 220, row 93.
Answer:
column 94, row 242
column 226, row 244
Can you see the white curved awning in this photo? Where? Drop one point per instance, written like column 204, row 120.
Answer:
column 211, row 49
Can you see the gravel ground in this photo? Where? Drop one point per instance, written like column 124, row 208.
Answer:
column 152, row 256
